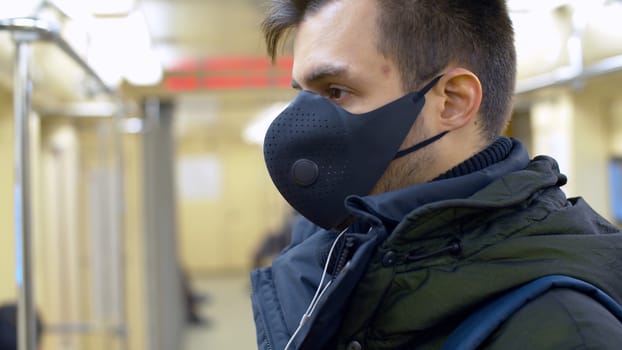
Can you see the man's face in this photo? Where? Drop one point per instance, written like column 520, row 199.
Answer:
column 336, row 56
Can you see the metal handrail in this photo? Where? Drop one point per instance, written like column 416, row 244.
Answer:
column 566, row 75
column 47, row 31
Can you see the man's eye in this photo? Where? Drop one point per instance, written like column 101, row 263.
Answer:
column 335, row 93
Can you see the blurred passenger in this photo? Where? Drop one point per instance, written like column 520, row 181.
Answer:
column 192, row 301
column 8, row 327
column 418, row 210
column 274, row 242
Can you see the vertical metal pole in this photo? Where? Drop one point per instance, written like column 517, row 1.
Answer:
column 164, row 292
column 26, row 320
column 150, row 218
column 121, row 210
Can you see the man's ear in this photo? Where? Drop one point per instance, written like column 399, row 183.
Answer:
column 462, row 96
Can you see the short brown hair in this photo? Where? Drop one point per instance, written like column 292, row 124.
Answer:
column 425, row 36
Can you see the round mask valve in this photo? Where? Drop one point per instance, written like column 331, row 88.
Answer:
column 305, row 172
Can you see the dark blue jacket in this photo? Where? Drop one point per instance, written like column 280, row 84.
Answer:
column 283, row 293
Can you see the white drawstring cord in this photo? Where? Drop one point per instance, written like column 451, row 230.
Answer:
column 318, row 294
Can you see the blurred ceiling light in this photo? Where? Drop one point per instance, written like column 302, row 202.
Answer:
column 111, row 7
column 128, row 33
column 105, row 56
column 603, row 37
column 75, row 9
column 540, row 40
column 106, row 66
column 547, row 5
column 605, row 20
column 142, row 64
column 256, row 130
column 534, row 5
column 85, row 8
column 22, row 8
column 121, row 48
column 76, row 34
column 144, row 69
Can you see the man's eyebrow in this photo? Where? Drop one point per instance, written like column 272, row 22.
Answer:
column 319, row 73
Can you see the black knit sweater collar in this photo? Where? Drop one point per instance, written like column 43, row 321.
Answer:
column 492, row 154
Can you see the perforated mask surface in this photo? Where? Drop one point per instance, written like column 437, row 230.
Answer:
column 298, row 128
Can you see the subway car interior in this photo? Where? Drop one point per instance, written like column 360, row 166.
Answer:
column 135, row 198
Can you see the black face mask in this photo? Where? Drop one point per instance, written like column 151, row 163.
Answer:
column 317, row 153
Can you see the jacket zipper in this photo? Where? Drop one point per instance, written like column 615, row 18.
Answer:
column 345, row 254
column 267, row 342
column 266, row 339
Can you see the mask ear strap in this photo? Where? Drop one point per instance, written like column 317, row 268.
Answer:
column 419, row 145
column 423, row 143
column 430, row 85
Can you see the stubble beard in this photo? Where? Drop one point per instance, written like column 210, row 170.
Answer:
column 410, row 170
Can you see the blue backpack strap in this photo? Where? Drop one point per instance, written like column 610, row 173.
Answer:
column 473, row 331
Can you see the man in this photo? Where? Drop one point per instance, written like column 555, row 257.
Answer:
column 416, row 211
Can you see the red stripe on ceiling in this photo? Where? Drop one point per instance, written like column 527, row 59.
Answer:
column 181, row 83
column 226, row 82
column 286, row 62
column 214, row 83
column 233, row 72
column 233, row 64
column 237, row 63
column 285, row 81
